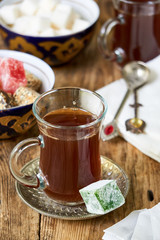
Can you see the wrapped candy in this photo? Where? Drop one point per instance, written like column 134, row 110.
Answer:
column 24, row 96
column 6, row 100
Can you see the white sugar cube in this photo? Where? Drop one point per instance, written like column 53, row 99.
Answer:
column 63, row 16
column 9, row 13
column 29, row 7
column 80, row 24
column 38, row 24
column 42, row 18
column 48, row 33
column 102, row 197
column 47, row 5
column 31, row 32
column 62, row 32
column 41, row 13
column 21, row 24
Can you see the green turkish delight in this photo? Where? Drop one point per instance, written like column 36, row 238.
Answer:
column 102, row 197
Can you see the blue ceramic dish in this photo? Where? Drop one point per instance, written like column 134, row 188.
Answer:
column 15, row 121
column 59, row 49
column 18, row 120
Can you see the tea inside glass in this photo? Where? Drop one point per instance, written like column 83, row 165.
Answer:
column 135, row 32
column 69, row 121
column 139, row 36
column 70, row 129
column 70, row 159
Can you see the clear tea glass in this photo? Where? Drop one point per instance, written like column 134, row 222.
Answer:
column 134, row 32
column 69, row 121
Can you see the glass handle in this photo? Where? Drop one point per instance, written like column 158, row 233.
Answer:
column 117, row 54
column 35, row 181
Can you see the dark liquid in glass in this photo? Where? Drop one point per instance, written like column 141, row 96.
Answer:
column 70, row 159
column 139, row 36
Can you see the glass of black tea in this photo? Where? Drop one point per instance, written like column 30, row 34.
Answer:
column 69, row 121
column 133, row 34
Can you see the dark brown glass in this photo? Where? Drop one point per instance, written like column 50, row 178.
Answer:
column 70, row 160
column 139, row 36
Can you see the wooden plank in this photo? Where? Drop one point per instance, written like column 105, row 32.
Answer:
column 18, row 221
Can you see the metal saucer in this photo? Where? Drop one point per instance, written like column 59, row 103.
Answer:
column 40, row 202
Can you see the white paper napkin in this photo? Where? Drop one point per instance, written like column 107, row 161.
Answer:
column 139, row 225
column 143, row 228
column 122, row 230
column 149, row 96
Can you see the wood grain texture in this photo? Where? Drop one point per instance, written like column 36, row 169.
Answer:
column 19, row 222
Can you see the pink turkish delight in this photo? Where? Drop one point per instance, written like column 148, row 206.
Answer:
column 12, row 75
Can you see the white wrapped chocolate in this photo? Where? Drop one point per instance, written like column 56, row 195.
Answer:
column 102, row 197
column 6, row 100
column 33, row 82
column 24, row 96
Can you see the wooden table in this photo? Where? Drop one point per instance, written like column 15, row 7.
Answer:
column 19, row 222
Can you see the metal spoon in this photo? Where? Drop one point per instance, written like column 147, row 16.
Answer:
column 136, row 74
column 135, row 124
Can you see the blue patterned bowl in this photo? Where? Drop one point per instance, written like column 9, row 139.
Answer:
column 60, row 49
column 18, row 120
